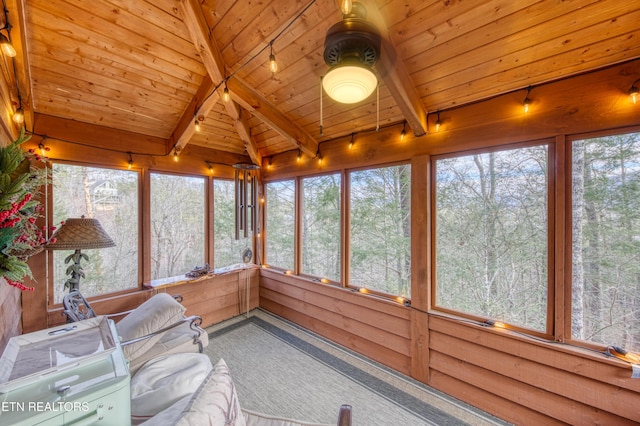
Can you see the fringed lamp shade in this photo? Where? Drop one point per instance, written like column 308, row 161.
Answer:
column 83, row 234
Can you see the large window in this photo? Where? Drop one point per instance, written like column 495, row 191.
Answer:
column 380, row 228
column 227, row 250
column 280, row 223
column 321, row 226
column 492, row 234
column 177, row 224
column 111, row 197
column 605, row 192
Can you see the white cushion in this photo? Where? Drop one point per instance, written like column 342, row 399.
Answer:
column 215, row 403
column 158, row 312
column 180, row 339
column 165, row 380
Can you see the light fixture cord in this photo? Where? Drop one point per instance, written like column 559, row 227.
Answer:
column 321, row 108
column 378, row 107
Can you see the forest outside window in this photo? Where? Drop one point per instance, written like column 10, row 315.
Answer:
column 177, row 224
column 605, row 192
column 321, row 226
column 380, row 229
column 111, row 197
column 491, row 235
column 280, row 224
column 227, row 250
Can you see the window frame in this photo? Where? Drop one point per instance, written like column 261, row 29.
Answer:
column 345, row 223
column 265, row 233
column 207, row 219
column 49, row 219
column 552, row 229
column 346, row 235
column 566, row 331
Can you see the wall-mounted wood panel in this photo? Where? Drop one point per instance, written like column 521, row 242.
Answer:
column 558, row 381
column 368, row 325
column 10, row 313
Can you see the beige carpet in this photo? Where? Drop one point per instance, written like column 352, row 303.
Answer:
column 284, row 370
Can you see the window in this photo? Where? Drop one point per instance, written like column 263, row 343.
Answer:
column 280, row 223
column 111, row 197
column 177, row 224
column 605, row 191
column 380, row 225
column 321, row 226
column 491, row 213
column 227, row 250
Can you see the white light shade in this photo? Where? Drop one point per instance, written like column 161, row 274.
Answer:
column 349, row 84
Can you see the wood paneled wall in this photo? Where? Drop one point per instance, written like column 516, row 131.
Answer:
column 10, row 313
column 221, row 297
column 375, row 327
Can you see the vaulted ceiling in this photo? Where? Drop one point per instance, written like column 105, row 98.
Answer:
column 153, row 67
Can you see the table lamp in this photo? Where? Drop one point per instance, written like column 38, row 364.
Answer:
column 79, row 234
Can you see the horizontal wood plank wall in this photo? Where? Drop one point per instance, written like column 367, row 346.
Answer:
column 376, row 328
column 215, row 299
column 220, row 297
column 10, row 313
column 528, row 382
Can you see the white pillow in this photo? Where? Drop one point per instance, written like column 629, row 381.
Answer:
column 158, row 312
column 164, row 380
column 215, row 403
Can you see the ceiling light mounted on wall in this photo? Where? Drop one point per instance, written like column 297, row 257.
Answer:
column 351, row 48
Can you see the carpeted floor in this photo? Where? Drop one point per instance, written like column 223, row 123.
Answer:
column 284, row 370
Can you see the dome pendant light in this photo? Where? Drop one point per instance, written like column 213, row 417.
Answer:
column 351, row 48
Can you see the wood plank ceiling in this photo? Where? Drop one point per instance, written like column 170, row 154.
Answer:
column 151, row 66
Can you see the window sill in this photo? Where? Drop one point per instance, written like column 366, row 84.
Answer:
column 183, row 279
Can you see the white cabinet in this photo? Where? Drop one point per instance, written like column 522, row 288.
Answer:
column 74, row 374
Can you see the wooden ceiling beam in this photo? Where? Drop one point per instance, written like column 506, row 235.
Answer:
column 201, row 104
column 391, row 70
column 259, row 106
column 213, row 63
column 240, row 91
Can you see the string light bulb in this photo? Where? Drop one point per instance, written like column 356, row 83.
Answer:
column 175, row 155
column 438, row 123
column 351, row 141
column 7, row 47
column 209, row 166
column 130, row 162
column 346, row 6
column 527, row 101
column 633, row 92
column 225, row 93
column 18, row 116
column 299, row 156
column 273, row 65
column 43, row 149
column 403, row 133
column 198, row 127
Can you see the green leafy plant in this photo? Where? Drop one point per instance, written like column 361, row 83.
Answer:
column 20, row 209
